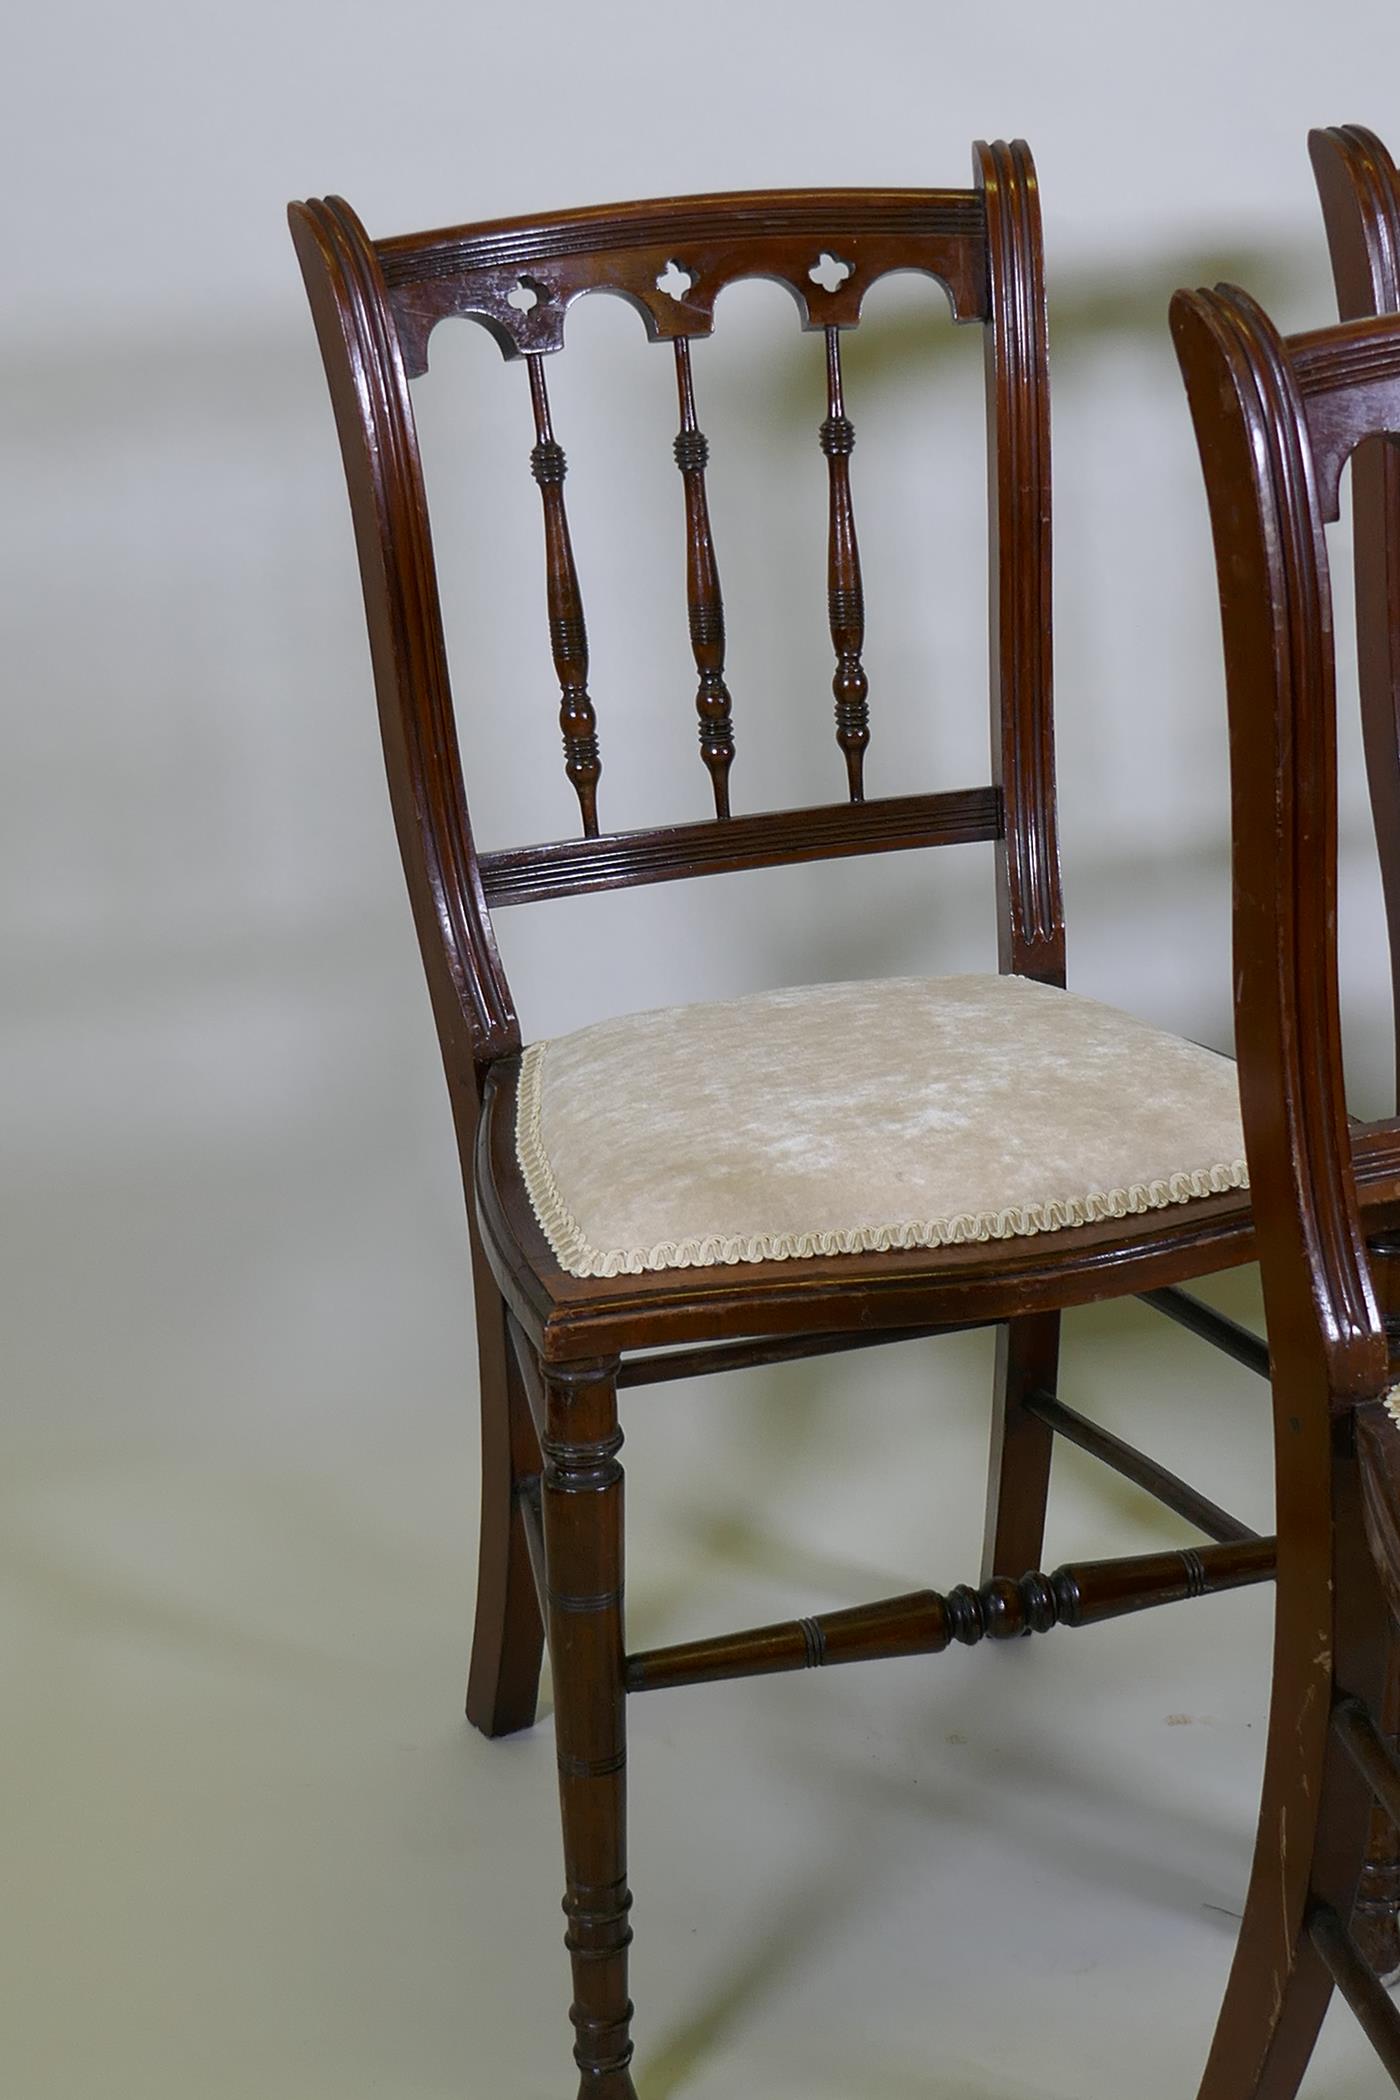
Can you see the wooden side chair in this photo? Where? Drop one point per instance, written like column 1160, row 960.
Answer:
column 1276, row 420
column 810, row 1170
column 1359, row 188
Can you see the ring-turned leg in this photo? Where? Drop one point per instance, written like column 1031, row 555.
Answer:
column 1018, row 1482
column 508, row 1644
column 583, row 1559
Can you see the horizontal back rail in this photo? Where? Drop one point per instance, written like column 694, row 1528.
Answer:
column 1349, row 377
column 479, row 271
column 1350, row 353
column 773, row 838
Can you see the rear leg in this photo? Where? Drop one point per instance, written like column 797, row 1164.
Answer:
column 1018, row 1481
column 508, row 1643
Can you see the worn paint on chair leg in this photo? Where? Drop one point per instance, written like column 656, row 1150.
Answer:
column 508, row 1644
column 1018, row 1482
column 584, row 1563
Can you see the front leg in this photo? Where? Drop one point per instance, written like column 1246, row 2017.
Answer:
column 583, row 1560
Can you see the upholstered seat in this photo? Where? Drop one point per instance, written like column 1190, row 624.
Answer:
column 854, row 1118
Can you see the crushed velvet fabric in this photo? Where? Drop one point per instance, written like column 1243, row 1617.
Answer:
column 851, row 1118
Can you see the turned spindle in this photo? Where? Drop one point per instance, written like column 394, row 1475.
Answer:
column 568, row 636
column 845, row 597
column 704, row 602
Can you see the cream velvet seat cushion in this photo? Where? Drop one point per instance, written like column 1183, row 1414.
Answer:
column 852, row 1118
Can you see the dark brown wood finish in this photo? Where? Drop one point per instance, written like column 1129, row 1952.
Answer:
column 1359, row 188
column 1166, row 1487
column 629, row 249
column 1023, row 1444
column 508, row 1644
column 679, row 852
column 583, row 1569
column 1226, row 1335
column 551, row 1479
column 1030, row 902
column 927, row 1623
column 1356, row 1980
column 1018, row 457
column 704, row 600
column 1269, row 417
column 568, row 636
column 845, row 594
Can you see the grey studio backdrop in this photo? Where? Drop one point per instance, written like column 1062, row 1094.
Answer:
column 247, row 1844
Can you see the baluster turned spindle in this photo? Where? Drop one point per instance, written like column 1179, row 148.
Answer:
column 845, row 598
column 568, row 637
column 703, row 598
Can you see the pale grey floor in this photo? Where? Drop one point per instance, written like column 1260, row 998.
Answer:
column 253, row 1849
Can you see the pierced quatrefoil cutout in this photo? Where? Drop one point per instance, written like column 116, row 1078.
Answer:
column 526, row 295
column 830, row 272
column 675, row 281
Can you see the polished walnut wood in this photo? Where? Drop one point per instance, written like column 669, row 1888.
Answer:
column 1275, row 420
column 1225, row 1334
column 1359, row 188
column 568, row 635
column 555, row 1350
column 845, row 594
column 704, row 599
column 679, row 852
column 926, row 1623
column 583, row 1548
column 1356, row 1980
column 1164, row 1486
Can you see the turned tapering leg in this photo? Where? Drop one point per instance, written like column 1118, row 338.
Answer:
column 508, row 1644
column 1018, row 1482
column 583, row 1557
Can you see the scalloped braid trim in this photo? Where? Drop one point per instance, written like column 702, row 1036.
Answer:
column 576, row 1252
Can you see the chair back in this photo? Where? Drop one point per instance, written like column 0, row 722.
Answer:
column 376, row 304
column 1276, row 420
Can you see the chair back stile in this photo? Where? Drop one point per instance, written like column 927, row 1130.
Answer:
column 1030, row 900
column 1359, row 188
column 1275, row 421
column 375, row 305
column 368, row 384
